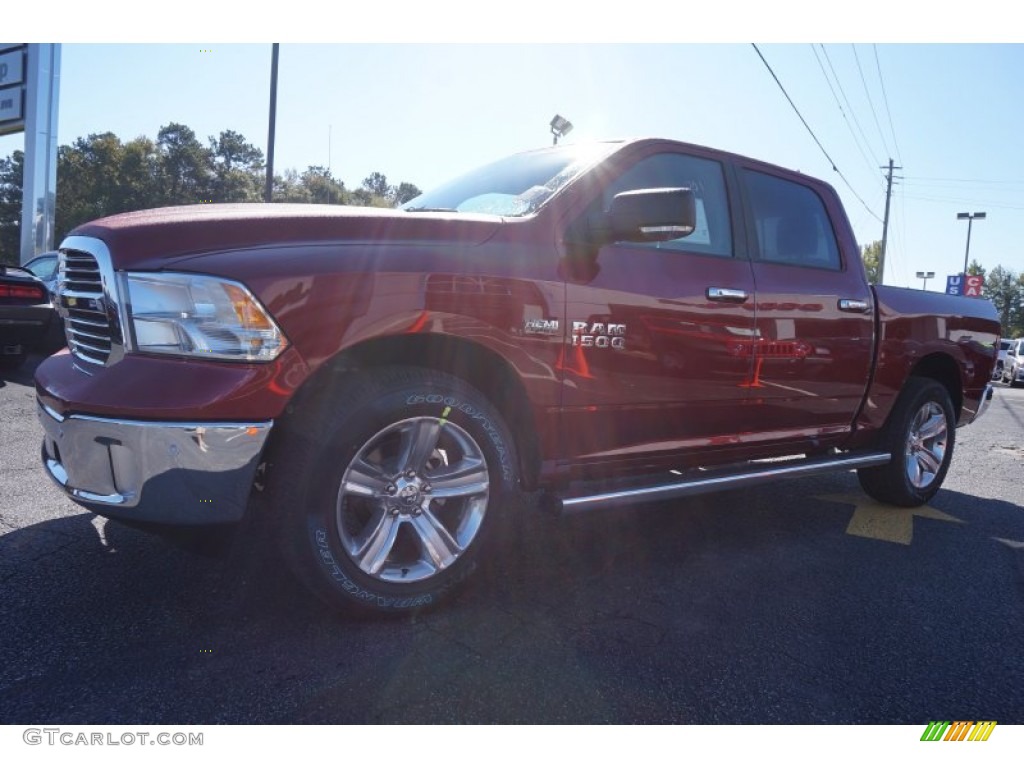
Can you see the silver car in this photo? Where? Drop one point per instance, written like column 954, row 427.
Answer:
column 1013, row 367
column 44, row 266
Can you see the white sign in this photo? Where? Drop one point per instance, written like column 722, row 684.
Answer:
column 11, row 69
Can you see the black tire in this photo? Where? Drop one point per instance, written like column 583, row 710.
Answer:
column 388, row 485
column 920, row 435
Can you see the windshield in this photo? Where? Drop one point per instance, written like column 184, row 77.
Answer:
column 515, row 186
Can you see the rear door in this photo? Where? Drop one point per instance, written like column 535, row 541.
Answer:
column 814, row 328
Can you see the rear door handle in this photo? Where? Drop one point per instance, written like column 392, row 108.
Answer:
column 853, row 305
column 726, row 294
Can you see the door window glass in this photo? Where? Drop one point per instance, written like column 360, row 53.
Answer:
column 712, row 234
column 791, row 223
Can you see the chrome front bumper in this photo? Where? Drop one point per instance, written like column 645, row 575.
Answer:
column 148, row 471
column 986, row 400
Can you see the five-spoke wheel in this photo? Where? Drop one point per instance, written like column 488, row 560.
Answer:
column 919, row 436
column 412, row 499
column 925, row 451
column 392, row 478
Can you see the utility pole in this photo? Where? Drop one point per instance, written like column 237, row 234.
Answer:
column 885, row 223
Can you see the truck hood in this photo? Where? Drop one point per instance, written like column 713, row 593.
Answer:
column 163, row 233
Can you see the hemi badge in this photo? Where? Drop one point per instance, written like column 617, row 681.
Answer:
column 540, row 327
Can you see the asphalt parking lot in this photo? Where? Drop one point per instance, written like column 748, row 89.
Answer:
column 800, row 602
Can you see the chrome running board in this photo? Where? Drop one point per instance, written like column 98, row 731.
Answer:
column 706, row 481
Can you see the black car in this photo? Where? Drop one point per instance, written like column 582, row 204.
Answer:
column 28, row 320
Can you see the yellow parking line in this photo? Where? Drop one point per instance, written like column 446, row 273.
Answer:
column 883, row 522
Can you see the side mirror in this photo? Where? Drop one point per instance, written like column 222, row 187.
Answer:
column 652, row 215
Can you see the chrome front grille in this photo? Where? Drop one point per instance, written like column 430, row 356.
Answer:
column 81, row 272
column 88, row 303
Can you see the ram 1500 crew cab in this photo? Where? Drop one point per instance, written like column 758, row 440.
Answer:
column 578, row 320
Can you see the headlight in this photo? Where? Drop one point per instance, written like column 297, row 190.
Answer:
column 200, row 316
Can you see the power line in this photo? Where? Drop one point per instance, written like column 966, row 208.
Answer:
column 899, row 246
column 808, row 127
column 842, row 111
column 1016, row 182
column 885, row 98
column 963, row 201
column 903, row 223
column 871, row 103
column 856, row 122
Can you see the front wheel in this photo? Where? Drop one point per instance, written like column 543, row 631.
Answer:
column 392, row 485
column 920, row 435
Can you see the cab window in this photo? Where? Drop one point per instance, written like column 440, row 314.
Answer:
column 791, row 223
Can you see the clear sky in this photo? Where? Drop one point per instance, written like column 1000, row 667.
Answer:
column 949, row 114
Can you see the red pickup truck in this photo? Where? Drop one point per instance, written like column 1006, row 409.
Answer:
column 607, row 324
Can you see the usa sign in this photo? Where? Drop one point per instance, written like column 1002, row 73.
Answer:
column 965, row 285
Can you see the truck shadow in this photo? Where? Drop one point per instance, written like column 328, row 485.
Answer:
column 109, row 624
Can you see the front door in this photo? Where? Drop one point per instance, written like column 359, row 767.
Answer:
column 659, row 349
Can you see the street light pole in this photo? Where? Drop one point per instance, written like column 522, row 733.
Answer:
column 970, row 220
column 268, row 190
column 925, row 277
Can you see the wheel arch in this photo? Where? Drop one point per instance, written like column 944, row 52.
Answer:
column 482, row 368
column 945, row 370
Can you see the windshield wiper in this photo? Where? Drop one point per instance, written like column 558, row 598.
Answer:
column 425, row 209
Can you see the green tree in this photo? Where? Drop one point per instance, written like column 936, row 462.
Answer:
column 377, row 184
column 90, row 182
column 1005, row 289
column 139, row 176
column 405, row 192
column 188, row 170
column 237, row 167
column 871, row 255
column 375, row 192
column 974, row 268
column 12, row 170
column 99, row 175
column 289, row 188
column 323, row 187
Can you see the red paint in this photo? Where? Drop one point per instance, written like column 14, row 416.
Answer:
column 696, row 381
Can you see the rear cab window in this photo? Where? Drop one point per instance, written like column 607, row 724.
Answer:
column 791, row 224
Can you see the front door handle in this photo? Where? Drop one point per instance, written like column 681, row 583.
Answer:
column 853, row 305
column 727, row 294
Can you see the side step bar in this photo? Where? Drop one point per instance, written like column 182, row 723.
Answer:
column 713, row 480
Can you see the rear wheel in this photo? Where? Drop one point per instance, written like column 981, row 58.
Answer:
column 920, row 436
column 390, row 487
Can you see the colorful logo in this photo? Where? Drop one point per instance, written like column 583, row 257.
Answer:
column 958, row 730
